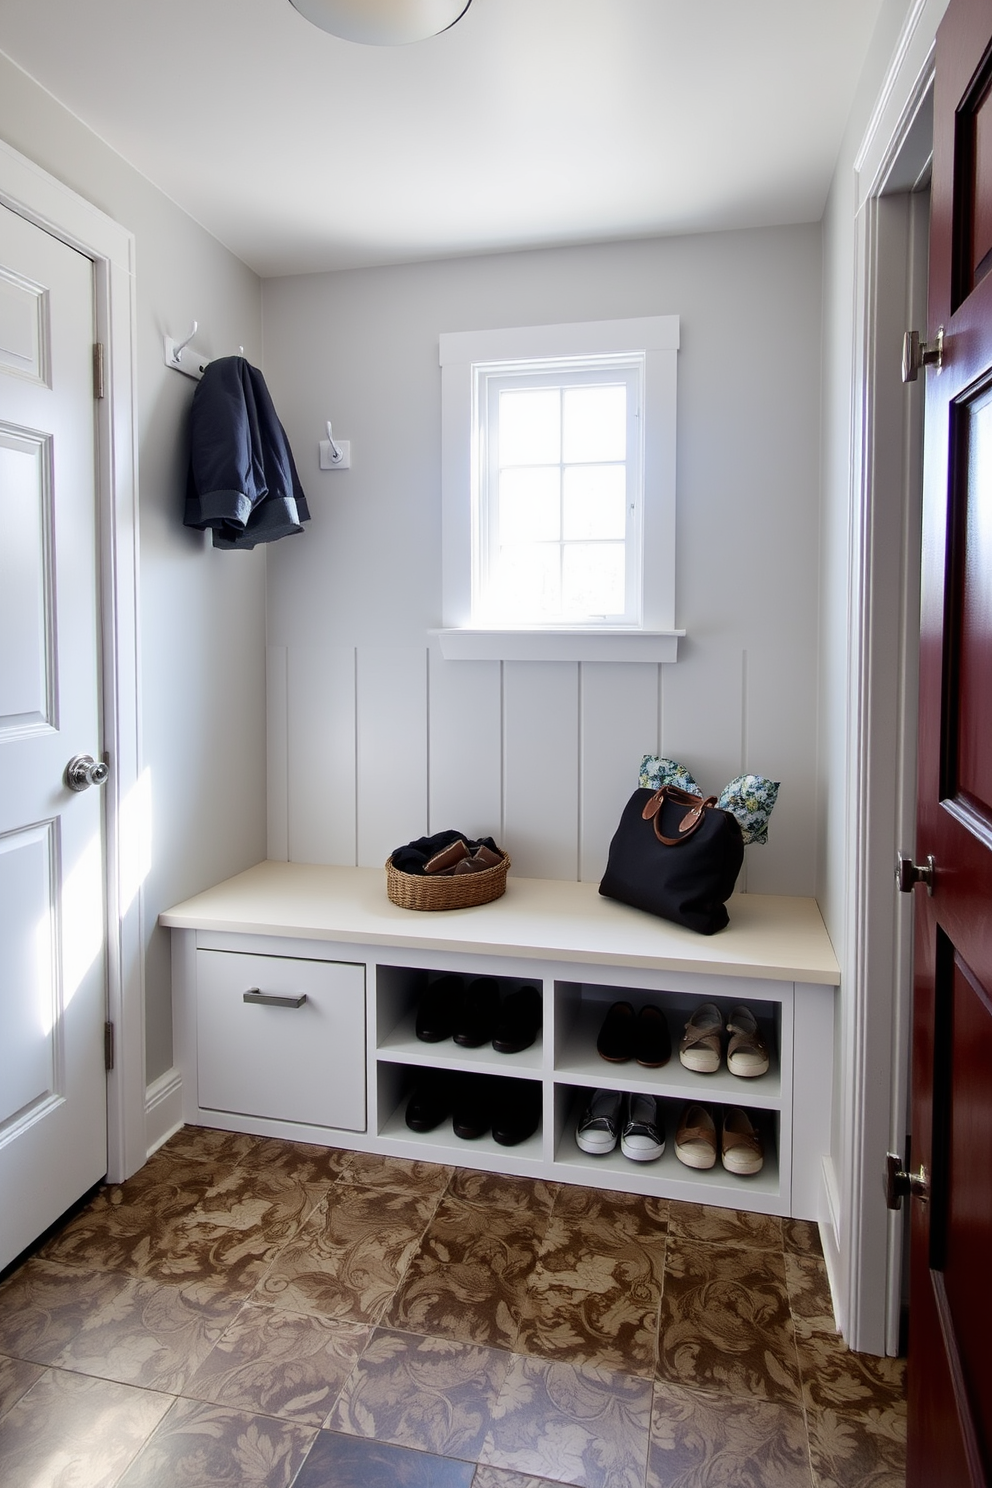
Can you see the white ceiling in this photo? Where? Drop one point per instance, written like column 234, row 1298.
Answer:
column 530, row 122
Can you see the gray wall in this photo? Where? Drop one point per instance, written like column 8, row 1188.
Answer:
column 202, row 614
column 373, row 738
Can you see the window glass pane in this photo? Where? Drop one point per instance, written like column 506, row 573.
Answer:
column 529, row 427
column 525, row 583
column 530, row 505
column 594, row 421
column 595, row 502
column 592, row 580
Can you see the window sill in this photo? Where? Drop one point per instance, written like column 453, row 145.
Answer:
column 558, row 645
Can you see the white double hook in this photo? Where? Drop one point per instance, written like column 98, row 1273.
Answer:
column 180, row 346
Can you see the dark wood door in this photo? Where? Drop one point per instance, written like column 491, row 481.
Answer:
column 950, row 1349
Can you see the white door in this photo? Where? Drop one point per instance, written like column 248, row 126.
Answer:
column 53, row 1125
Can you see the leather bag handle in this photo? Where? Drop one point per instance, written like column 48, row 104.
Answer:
column 690, row 823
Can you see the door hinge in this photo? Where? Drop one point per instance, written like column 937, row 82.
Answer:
column 108, row 1046
column 98, row 360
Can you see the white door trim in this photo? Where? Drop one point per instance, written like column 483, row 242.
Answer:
column 42, row 199
column 875, row 970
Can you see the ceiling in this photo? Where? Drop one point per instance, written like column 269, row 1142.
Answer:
column 530, row 122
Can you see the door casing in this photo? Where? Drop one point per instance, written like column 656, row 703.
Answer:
column 39, row 197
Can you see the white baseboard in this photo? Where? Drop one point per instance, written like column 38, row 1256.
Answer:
column 163, row 1108
column 829, row 1239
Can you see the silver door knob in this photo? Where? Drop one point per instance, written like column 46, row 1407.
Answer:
column 909, row 874
column 917, row 354
column 899, row 1184
column 83, row 770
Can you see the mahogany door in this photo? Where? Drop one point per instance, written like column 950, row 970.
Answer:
column 950, row 1347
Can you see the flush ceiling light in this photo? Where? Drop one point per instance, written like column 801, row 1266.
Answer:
column 383, row 22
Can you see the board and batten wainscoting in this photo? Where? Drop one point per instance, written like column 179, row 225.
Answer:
column 371, row 746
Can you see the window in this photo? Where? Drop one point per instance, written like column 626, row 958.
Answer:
column 557, row 494
column 558, row 476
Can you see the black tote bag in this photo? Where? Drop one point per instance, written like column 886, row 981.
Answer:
column 675, row 855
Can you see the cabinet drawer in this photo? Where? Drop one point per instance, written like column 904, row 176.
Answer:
column 301, row 1063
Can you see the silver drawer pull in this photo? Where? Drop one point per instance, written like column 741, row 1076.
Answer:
column 269, row 999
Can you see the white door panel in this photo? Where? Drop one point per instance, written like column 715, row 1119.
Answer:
column 53, row 1141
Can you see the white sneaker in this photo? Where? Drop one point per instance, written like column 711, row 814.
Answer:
column 599, row 1124
column 643, row 1138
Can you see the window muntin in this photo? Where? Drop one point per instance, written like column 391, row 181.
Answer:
column 558, row 492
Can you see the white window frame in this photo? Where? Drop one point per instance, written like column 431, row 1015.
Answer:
column 466, row 358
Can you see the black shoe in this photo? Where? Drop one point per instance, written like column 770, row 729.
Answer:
column 516, row 1111
column 430, row 1101
column 652, row 1040
column 518, row 1022
column 618, row 1035
column 472, row 1112
column 437, row 1010
column 477, row 1013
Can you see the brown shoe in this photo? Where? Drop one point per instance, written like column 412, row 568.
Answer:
column 747, row 1052
column 695, row 1140
column 740, row 1144
column 699, row 1049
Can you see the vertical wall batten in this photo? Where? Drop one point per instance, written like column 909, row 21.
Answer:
column 321, row 756
column 541, row 767
column 392, row 749
column 617, row 725
column 276, row 753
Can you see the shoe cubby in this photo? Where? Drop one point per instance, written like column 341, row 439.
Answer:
column 395, row 1085
column 581, row 1007
column 372, row 965
column 666, row 1175
column 399, row 991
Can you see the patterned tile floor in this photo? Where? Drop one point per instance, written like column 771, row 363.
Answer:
column 263, row 1314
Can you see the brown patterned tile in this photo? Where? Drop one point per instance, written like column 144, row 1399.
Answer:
column 514, row 1199
column 725, row 1323
column 70, row 1429
column 336, row 1461
column 809, row 1292
column 350, row 1255
column 498, row 1477
column 428, row 1393
column 802, row 1236
column 16, row 1378
column 312, row 1163
column 708, row 1225
column 835, row 1378
column 280, row 1364
column 700, row 1440
column 400, row 1175
column 206, row 1446
column 596, row 1289
column 208, row 1144
column 572, row 1424
column 44, row 1304
column 149, row 1335
column 469, row 1276
column 857, row 1449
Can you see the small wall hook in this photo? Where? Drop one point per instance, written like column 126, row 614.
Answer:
column 180, row 346
column 334, row 454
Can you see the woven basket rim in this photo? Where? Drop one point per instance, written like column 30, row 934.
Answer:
column 427, row 891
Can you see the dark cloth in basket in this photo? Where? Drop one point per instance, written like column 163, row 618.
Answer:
column 412, row 857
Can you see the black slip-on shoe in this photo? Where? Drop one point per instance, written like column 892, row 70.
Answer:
column 653, row 1042
column 430, row 1101
column 618, row 1035
column 438, row 1006
column 516, row 1111
column 477, row 1013
column 518, row 1022
column 472, row 1111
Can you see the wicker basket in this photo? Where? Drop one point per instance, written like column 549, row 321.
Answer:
column 434, row 891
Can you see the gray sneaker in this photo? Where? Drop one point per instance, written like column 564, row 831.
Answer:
column 643, row 1136
column 599, row 1124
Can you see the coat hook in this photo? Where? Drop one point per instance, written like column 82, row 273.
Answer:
column 335, row 452
column 180, row 346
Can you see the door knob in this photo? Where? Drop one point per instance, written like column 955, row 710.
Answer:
column 899, row 1184
column 917, row 354
column 83, row 770
column 909, row 874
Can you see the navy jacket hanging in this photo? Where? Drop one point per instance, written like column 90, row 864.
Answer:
column 242, row 479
